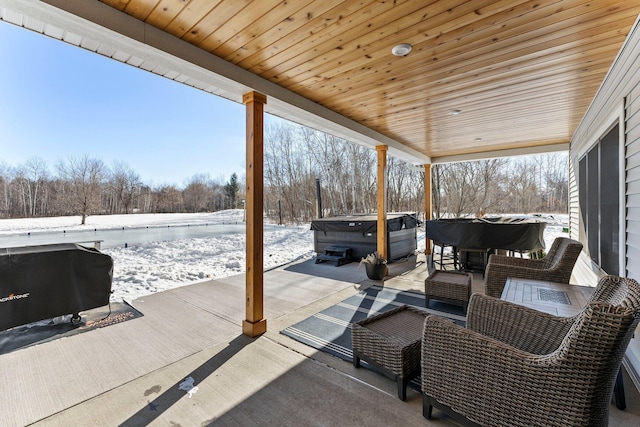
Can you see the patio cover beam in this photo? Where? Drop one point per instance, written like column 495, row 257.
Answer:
column 255, row 324
column 382, row 200
column 427, row 204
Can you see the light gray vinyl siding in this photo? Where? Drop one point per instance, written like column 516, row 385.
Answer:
column 632, row 178
column 617, row 99
column 632, row 158
column 573, row 201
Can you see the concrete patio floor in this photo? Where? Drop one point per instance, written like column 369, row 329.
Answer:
column 133, row 373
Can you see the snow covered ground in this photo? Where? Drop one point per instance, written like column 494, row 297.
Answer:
column 152, row 267
column 156, row 266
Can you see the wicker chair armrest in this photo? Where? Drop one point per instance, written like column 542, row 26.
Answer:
column 517, row 262
column 496, row 275
column 524, row 328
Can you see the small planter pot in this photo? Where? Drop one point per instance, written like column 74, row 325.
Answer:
column 376, row 271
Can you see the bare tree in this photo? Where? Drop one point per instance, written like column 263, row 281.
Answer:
column 555, row 182
column 196, row 194
column 6, row 188
column 125, row 184
column 167, row 198
column 436, row 190
column 487, row 175
column 85, row 176
column 59, row 195
column 522, row 186
column 466, row 188
column 399, row 179
column 326, row 153
column 145, row 199
column 360, row 181
column 217, row 193
column 35, row 175
column 457, row 185
column 415, row 193
column 287, row 175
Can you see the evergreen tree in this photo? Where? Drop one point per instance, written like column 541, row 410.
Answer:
column 231, row 190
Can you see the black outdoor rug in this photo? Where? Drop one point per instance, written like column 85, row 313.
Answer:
column 330, row 329
column 43, row 331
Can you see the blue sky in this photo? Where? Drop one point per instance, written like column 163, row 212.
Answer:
column 59, row 100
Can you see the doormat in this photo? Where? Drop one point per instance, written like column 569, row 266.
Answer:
column 330, row 329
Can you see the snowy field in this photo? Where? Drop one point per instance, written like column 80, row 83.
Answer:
column 157, row 266
column 151, row 267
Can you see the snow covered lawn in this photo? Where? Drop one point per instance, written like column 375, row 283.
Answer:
column 157, row 266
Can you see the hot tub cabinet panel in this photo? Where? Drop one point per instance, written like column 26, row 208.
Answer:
column 42, row 282
column 359, row 232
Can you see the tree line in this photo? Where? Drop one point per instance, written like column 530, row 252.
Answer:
column 296, row 156
column 85, row 186
column 298, row 163
column 527, row 184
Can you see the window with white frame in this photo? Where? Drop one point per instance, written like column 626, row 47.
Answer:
column 599, row 194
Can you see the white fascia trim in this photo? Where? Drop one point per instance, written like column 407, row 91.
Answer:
column 543, row 149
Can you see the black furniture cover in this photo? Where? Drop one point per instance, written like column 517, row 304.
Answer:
column 516, row 234
column 42, row 282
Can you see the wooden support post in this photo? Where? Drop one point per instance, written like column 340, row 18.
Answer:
column 254, row 324
column 382, row 200
column 428, row 194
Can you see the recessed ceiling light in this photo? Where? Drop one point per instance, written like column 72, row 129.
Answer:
column 402, row 49
column 454, row 112
column 478, row 139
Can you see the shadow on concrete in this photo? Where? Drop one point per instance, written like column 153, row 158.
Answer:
column 172, row 395
column 40, row 332
column 351, row 272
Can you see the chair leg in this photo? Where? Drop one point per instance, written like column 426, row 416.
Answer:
column 356, row 361
column 402, row 388
column 426, row 407
column 485, row 260
column 618, row 392
column 455, row 259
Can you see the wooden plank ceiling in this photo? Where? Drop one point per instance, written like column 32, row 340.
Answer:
column 483, row 74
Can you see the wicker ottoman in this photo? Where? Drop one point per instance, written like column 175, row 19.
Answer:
column 453, row 287
column 390, row 342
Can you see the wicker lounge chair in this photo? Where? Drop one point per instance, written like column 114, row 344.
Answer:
column 556, row 266
column 514, row 366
